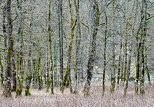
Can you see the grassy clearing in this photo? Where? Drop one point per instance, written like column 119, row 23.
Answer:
column 43, row 99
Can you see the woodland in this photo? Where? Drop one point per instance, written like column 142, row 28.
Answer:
column 77, row 53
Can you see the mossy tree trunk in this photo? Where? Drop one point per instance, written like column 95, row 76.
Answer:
column 50, row 47
column 137, row 64
column 92, row 51
column 39, row 76
column 143, row 37
column 47, row 72
column 60, row 31
column 67, row 76
column 113, row 69
column 119, row 65
column 128, row 69
column 78, row 42
column 5, row 45
column 7, row 86
column 21, row 55
column 2, row 70
column 14, row 85
column 29, row 72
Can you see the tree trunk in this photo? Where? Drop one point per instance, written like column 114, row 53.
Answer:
column 60, row 25
column 67, row 77
column 29, row 72
column 21, row 55
column 78, row 41
column 50, row 46
column 7, row 87
column 128, row 70
column 92, row 51
column 143, row 36
column 104, row 55
column 120, row 64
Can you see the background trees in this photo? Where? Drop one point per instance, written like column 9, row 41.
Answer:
column 66, row 43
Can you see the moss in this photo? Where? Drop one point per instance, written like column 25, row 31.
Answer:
column 19, row 88
column 27, row 92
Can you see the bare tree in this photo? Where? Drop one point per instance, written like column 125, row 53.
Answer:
column 92, row 51
column 7, row 88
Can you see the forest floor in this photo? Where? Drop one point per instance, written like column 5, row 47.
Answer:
column 43, row 99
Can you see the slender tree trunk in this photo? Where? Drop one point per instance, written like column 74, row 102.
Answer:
column 50, row 46
column 60, row 24
column 7, row 87
column 146, row 68
column 119, row 64
column 67, row 77
column 2, row 70
column 21, row 61
column 5, row 45
column 104, row 55
column 92, row 51
column 78, row 42
column 113, row 72
column 29, row 72
column 39, row 76
column 128, row 70
column 47, row 73
column 143, row 36
column 125, row 58
column 14, row 74
column 137, row 56
column 137, row 65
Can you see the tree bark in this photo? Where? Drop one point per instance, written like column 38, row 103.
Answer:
column 7, row 87
column 92, row 51
column 60, row 25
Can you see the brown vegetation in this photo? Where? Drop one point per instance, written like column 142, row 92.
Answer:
column 43, row 99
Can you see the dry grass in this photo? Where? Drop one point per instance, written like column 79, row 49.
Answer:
column 43, row 99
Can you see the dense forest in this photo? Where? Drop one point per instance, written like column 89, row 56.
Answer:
column 77, row 48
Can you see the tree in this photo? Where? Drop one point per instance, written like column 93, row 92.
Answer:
column 67, row 77
column 7, row 87
column 60, row 24
column 20, row 52
column 92, row 51
column 50, row 46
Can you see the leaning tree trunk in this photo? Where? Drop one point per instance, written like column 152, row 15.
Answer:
column 92, row 51
column 7, row 87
